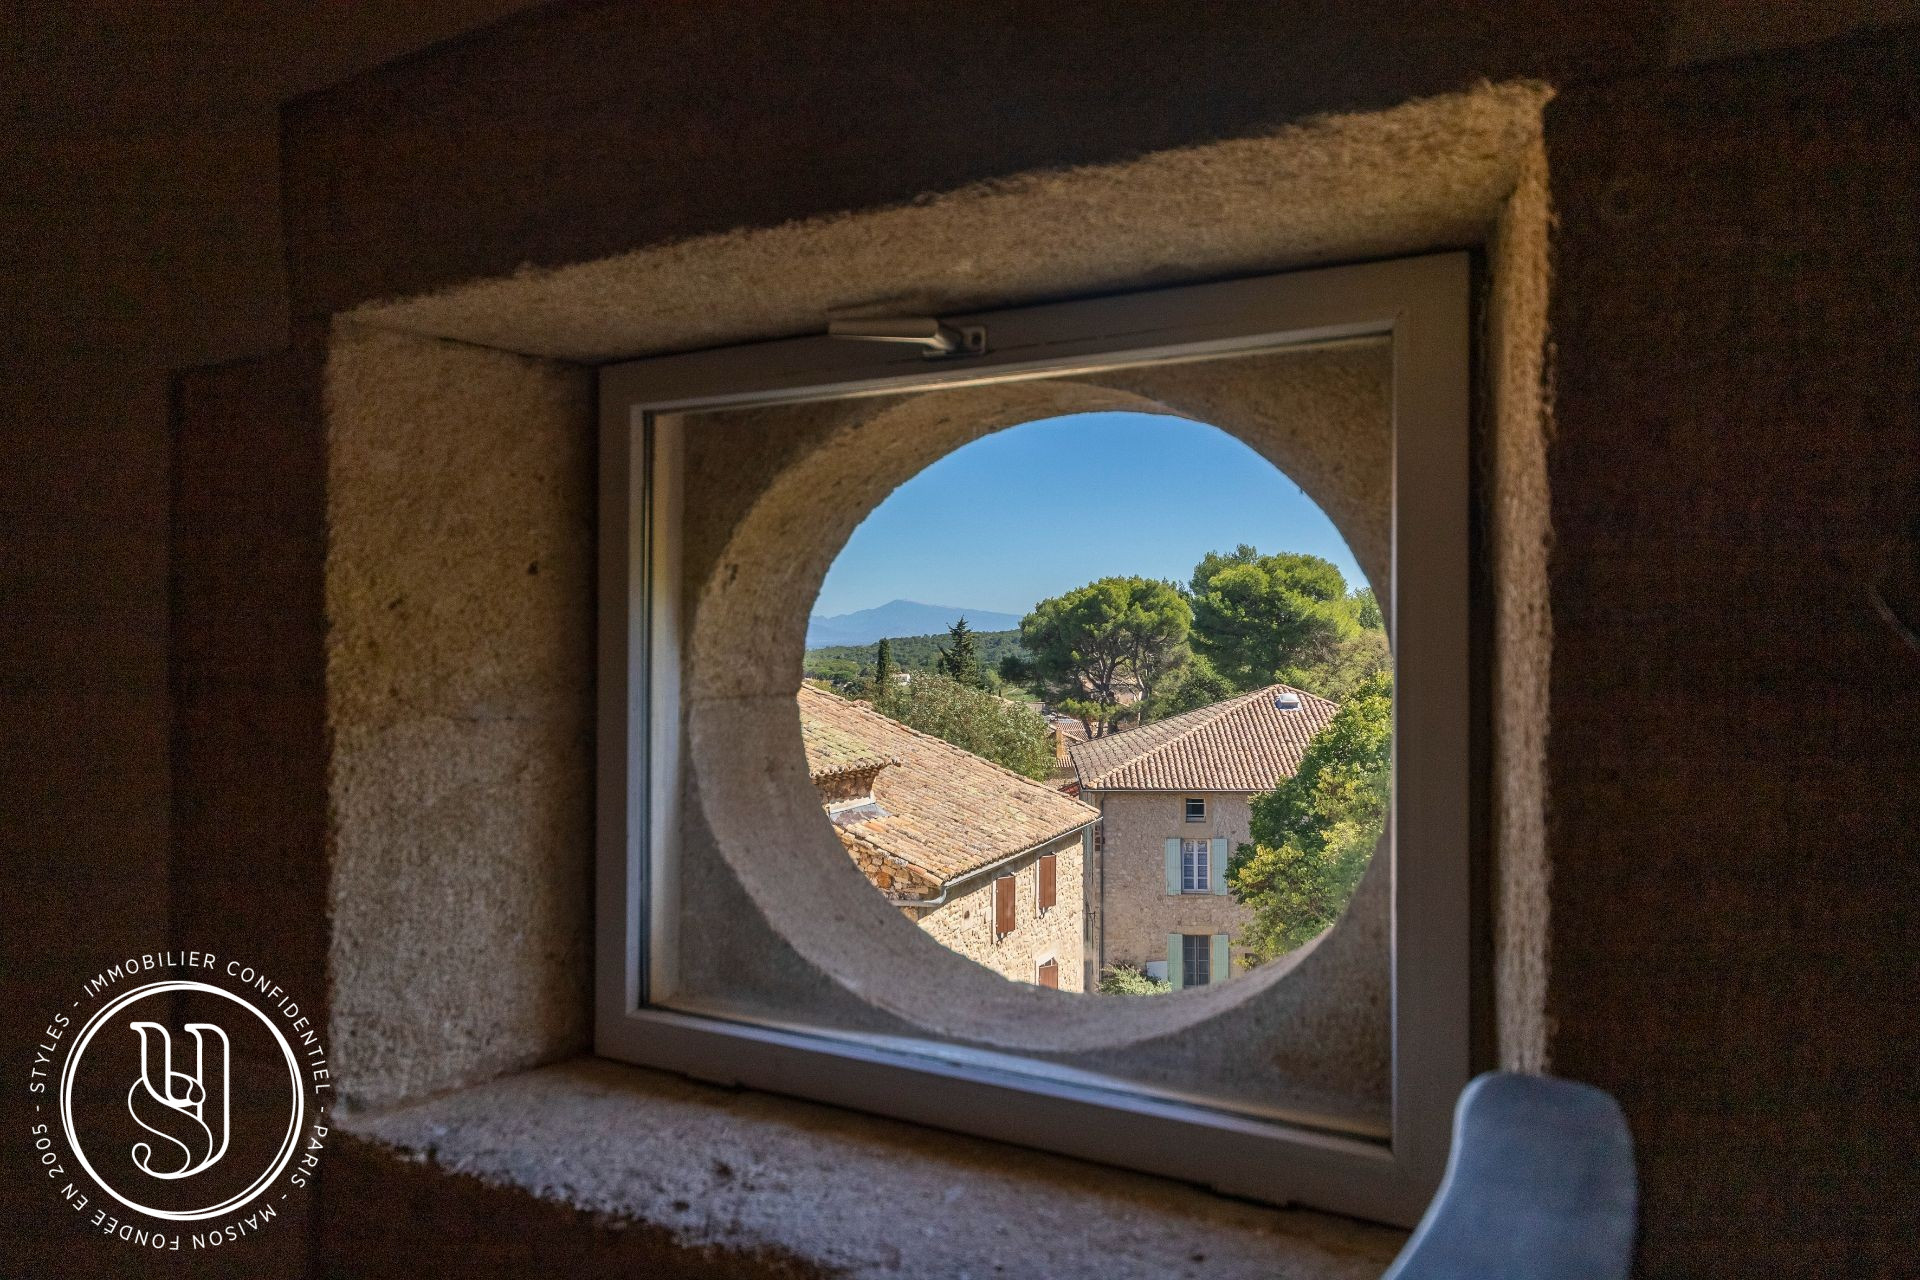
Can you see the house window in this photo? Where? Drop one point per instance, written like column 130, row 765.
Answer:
column 1196, row 809
column 1046, row 883
column 1196, row 872
column 1006, row 892
column 686, row 602
column 1047, row 973
column 1196, row 959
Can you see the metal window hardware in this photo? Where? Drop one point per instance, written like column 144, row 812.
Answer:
column 940, row 340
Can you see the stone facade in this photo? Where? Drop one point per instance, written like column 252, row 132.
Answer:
column 964, row 924
column 1131, row 912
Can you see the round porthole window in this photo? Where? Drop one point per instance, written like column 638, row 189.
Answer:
column 1063, row 694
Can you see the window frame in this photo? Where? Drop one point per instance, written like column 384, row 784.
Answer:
column 1204, row 862
column 1192, row 801
column 1187, row 967
column 1422, row 303
column 1046, row 883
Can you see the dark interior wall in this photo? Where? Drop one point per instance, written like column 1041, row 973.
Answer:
column 1735, row 732
column 139, row 233
column 1735, row 401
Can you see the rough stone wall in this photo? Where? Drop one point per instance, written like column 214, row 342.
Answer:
column 459, row 695
column 964, row 924
column 891, row 874
column 1137, row 911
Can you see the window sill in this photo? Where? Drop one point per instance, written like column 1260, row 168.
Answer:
column 592, row 1160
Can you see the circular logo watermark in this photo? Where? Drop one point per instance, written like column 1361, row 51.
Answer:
column 180, row 1102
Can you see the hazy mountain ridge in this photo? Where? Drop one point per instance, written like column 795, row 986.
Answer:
column 900, row 618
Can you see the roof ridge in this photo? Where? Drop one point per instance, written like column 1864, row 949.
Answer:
column 1201, row 718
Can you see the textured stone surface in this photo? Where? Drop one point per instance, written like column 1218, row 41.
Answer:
column 965, row 925
column 1336, row 189
column 459, row 693
column 696, row 1180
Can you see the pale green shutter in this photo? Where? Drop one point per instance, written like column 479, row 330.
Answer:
column 1217, row 969
column 1173, row 866
column 1217, row 864
column 1174, row 959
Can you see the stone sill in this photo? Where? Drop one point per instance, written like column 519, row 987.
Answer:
column 593, row 1162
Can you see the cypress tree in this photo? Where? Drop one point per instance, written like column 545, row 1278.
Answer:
column 882, row 667
column 961, row 662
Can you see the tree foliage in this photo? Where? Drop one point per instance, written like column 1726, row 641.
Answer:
column 1314, row 834
column 1125, row 980
column 1010, row 734
column 850, row 666
column 1197, row 685
column 1285, row 618
column 1085, row 648
column 960, row 657
column 883, row 663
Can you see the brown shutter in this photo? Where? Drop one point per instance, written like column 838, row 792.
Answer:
column 1003, row 895
column 1050, row 974
column 1047, row 892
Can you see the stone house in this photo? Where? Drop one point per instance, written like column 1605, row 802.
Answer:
column 989, row 863
column 1175, row 800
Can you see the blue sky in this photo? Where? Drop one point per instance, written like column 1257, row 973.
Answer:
column 1042, row 508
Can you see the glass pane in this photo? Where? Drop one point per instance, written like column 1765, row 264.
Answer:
column 1042, row 610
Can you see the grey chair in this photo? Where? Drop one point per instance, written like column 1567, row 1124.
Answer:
column 1539, row 1186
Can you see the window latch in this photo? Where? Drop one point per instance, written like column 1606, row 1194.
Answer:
column 937, row 339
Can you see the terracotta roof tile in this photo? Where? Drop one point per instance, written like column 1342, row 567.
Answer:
column 946, row 811
column 1246, row 743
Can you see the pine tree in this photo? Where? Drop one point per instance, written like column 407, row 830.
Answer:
column 961, row 662
column 882, row 668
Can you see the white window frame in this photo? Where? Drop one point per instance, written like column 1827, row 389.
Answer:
column 1186, row 808
column 1422, row 304
column 1189, row 882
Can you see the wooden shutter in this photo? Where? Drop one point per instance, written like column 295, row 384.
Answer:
column 1217, row 864
column 1219, row 959
column 1176, row 961
column 1003, row 899
column 1050, row 974
column 1173, row 865
column 1048, row 887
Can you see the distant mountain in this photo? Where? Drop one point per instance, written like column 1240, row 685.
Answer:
column 900, row 618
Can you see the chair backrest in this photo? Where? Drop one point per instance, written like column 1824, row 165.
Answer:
column 1540, row 1184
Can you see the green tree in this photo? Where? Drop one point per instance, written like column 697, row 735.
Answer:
column 1125, row 980
column 960, row 657
column 882, row 666
column 1087, row 646
column 1366, row 610
column 1012, row 735
column 1314, row 834
column 1267, row 618
column 1198, row 685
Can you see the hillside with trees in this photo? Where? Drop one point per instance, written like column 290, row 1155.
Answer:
column 847, row 666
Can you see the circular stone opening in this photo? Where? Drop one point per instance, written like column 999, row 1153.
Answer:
column 798, row 805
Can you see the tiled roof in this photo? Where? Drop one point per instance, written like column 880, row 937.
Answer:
column 945, row 811
column 1243, row 744
column 832, row 750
